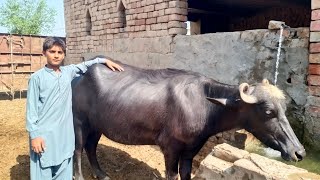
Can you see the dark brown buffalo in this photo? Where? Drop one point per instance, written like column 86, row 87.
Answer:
column 175, row 109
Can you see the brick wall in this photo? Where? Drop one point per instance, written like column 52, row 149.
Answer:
column 313, row 106
column 93, row 25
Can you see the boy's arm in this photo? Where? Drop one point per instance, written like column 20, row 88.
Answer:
column 33, row 94
column 83, row 67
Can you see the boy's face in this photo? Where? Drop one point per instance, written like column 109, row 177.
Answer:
column 54, row 55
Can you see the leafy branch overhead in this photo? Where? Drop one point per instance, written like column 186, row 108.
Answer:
column 27, row 16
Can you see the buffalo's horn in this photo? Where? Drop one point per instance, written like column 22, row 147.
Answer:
column 244, row 88
column 265, row 81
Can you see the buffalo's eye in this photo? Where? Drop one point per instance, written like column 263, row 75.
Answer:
column 270, row 113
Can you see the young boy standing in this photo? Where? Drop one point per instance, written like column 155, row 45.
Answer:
column 49, row 113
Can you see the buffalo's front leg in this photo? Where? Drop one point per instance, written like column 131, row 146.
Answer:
column 91, row 149
column 171, row 162
column 185, row 167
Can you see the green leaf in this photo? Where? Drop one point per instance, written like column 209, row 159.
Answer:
column 27, row 16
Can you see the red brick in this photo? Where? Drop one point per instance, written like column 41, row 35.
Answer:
column 315, row 25
column 176, row 17
column 162, row 19
column 314, row 90
column 176, row 11
column 314, row 58
column 179, row 4
column 140, row 22
column 163, row 5
column 149, row 8
column 315, row 15
column 175, row 31
column 138, row 10
column 314, row 69
column 143, row 16
column 151, row 21
column 177, row 24
column 313, row 111
column 314, row 47
column 315, row 4
column 314, row 80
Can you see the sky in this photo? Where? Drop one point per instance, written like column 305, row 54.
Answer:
column 59, row 28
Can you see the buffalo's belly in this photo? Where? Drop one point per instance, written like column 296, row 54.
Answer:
column 131, row 135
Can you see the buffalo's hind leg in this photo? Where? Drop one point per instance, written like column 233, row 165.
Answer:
column 80, row 139
column 91, row 149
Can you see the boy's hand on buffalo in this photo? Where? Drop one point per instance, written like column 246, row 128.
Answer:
column 113, row 66
column 38, row 145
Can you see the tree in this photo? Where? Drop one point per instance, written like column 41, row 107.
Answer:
column 27, row 16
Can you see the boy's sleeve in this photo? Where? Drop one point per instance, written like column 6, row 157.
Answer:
column 33, row 94
column 83, row 67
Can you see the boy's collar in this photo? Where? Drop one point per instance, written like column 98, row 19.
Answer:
column 49, row 69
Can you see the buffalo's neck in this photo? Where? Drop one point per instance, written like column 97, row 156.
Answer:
column 222, row 118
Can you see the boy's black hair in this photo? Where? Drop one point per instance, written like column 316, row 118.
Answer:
column 51, row 41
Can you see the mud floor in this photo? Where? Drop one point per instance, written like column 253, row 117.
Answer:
column 121, row 162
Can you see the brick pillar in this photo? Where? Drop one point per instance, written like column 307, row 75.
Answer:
column 313, row 106
column 177, row 11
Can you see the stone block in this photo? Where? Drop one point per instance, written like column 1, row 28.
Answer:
column 314, row 80
column 314, row 90
column 315, row 4
column 245, row 169
column 212, row 168
column 275, row 24
column 303, row 176
column 314, row 69
column 229, row 153
column 259, row 167
column 315, row 25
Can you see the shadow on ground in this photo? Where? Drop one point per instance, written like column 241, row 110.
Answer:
column 118, row 164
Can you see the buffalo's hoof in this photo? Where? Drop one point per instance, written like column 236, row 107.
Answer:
column 105, row 177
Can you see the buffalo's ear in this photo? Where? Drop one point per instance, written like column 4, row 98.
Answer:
column 231, row 103
column 218, row 101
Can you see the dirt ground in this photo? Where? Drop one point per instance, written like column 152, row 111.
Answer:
column 121, row 162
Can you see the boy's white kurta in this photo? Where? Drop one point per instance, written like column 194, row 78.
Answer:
column 49, row 110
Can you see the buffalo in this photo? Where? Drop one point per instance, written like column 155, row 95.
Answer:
column 177, row 110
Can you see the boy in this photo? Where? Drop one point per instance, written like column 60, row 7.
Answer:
column 49, row 113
